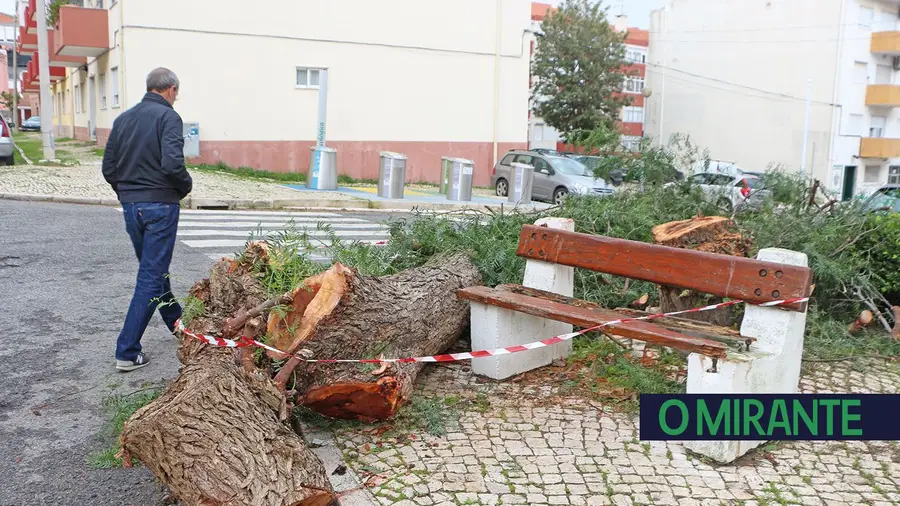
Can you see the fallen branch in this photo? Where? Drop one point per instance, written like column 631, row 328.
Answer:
column 871, row 305
column 641, row 302
column 234, row 324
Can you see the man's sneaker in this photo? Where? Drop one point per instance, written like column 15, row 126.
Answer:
column 129, row 365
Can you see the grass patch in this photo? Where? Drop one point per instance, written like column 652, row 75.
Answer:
column 99, row 152
column 33, row 147
column 119, row 408
column 64, row 139
column 251, row 173
column 344, row 179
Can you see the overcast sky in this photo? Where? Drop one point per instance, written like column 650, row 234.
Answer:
column 638, row 11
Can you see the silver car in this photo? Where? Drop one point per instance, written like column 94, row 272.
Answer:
column 731, row 191
column 7, row 145
column 554, row 176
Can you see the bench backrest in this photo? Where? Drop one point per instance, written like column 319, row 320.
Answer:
column 722, row 275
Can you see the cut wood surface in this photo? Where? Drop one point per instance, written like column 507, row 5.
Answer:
column 586, row 314
column 217, row 434
column 343, row 314
column 896, row 331
column 862, row 321
column 721, row 275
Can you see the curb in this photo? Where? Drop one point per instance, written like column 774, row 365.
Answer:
column 289, row 204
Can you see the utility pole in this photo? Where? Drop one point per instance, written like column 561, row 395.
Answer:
column 44, row 71
column 15, row 87
column 806, row 127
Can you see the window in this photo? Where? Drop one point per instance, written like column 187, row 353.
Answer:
column 114, row 83
column 894, row 174
column 507, row 160
column 633, row 114
column 860, row 72
column 541, row 165
column 539, row 131
column 84, row 102
column 307, row 77
column 855, row 125
column 103, row 91
column 77, row 99
column 876, row 126
column 883, row 74
column 631, row 143
column 872, row 173
column 635, row 55
column 59, row 106
column 526, row 159
column 634, row 84
column 865, row 16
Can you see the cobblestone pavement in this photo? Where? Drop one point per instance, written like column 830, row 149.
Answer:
column 87, row 181
column 525, row 444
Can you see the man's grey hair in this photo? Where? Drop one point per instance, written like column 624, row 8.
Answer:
column 161, row 79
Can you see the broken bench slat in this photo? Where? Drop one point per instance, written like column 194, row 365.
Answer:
column 587, row 317
column 687, row 327
column 723, row 275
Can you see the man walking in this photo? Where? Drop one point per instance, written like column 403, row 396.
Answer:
column 144, row 164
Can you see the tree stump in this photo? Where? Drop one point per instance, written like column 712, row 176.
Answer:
column 342, row 314
column 713, row 234
column 216, row 436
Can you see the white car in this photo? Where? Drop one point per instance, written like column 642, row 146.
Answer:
column 731, row 191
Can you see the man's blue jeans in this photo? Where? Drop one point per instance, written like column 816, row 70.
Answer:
column 152, row 227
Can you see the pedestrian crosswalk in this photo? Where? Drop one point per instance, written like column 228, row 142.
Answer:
column 221, row 234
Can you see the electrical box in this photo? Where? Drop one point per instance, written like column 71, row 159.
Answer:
column 191, row 140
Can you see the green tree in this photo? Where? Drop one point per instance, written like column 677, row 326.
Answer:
column 6, row 99
column 580, row 69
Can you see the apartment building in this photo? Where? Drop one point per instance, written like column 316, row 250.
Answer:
column 735, row 76
column 631, row 119
column 425, row 79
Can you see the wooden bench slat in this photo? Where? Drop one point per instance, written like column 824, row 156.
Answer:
column 693, row 328
column 723, row 275
column 587, row 317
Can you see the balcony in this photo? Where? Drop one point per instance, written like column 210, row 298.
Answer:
column 56, row 73
column 887, row 43
column 883, row 95
column 62, row 60
column 81, row 32
column 879, row 147
column 30, row 17
column 27, row 41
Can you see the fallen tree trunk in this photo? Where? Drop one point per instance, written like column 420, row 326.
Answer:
column 713, row 234
column 342, row 314
column 216, row 436
column 895, row 333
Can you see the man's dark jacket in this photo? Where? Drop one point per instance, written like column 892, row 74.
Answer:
column 144, row 157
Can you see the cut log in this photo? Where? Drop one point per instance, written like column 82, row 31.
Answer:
column 641, row 302
column 896, row 332
column 217, row 434
column 712, row 234
column 342, row 314
column 864, row 319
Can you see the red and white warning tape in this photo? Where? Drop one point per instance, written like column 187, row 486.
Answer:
column 244, row 342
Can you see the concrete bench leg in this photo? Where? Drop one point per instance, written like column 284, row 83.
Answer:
column 494, row 327
column 771, row 367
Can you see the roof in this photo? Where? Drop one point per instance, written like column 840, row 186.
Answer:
column 539, row 10
column 637, row 37
column 6, row 19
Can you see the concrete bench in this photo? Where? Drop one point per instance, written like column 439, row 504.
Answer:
column 764, row 357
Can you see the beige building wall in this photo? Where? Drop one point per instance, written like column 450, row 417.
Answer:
column 426, row 79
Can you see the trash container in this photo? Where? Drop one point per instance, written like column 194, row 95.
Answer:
column 520, row 187
column 322, row 173
column 391, row 175
column 460, row 185
column 446, row 165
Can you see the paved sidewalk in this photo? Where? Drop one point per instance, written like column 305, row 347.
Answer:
column 518, row 443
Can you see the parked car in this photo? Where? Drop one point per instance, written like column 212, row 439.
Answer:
column 616, row 176
column 7, row 144
column 731, row 192
column 554, row 176
column 31, row 124
column 886, row 198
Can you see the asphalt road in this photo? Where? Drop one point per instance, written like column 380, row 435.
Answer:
column 66, row 277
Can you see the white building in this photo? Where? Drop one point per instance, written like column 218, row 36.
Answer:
column 425, row 79
column 734, row 76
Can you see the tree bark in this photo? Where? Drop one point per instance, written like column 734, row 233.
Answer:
column 713, row 234
column 342, row 314
column 216, row 436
